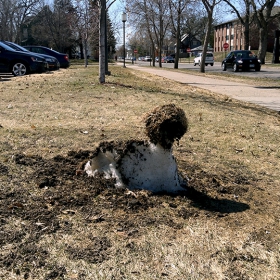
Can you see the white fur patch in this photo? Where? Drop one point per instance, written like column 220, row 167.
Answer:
column 148, row 167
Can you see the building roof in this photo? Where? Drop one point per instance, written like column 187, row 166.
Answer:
column 185, row 36
column 200, row 48
column 275, row 11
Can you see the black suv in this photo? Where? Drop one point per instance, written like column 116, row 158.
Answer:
column 20, row 63
column 241, row 60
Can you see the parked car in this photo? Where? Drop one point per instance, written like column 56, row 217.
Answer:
column 208, row 60
column 147, row 58
column 61, row 57
column 241, row 60
column 168, row 59
column 77, row 55
column 20, row 63
column 51, row 60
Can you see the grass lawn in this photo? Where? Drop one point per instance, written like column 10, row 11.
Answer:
column 57, row 223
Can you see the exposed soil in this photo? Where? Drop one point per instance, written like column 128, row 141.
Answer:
column 61, row 187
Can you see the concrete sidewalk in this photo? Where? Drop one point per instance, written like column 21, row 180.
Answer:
column 263, row 96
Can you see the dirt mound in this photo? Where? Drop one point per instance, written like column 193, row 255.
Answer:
column 60, row 192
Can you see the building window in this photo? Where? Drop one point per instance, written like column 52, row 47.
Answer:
column 229, row 25
column 195, row 43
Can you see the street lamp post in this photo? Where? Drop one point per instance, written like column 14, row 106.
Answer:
column 124, row 19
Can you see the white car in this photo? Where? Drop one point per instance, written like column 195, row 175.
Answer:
column 208, row 60
column 147, row 58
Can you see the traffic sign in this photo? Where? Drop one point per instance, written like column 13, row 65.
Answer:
column 188, row 49
column 225, row 45
column 135, row 51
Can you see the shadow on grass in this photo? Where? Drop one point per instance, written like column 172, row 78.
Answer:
column 270, row 87
column 225, row 206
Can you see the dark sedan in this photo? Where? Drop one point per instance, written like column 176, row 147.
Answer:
column 241, row 60
column 20, row 63
column 51, row 60
column 61, row 57
column 168, row 59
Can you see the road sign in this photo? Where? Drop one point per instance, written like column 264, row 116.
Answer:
column 225, row 45
column 188, row 49
column 135, row 51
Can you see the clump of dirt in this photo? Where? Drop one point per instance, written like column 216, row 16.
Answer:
column 166, row 124
column 3, row 168
column 121, row 148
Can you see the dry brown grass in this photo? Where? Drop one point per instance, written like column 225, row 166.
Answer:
column 225, row 227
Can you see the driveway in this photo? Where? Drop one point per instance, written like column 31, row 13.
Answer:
column 261, row 95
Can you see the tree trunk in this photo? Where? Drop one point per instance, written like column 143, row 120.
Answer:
column 160, row 36
column 153, row 54
column 102, row 26
column 86, row 53
column 262, row 45
column 246, row 35
column 178, row 42
column 206, row 40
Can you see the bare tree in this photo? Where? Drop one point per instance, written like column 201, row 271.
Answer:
column 7, row 9
column 153, row 15
column 51, row 27
column 84, row 25
column 244, row 17
column 186, row 17
column 24, row 10
column 262, row 13
column 102, row 38
column 13, row 13
column 194, row 21
column 176, row 11
column 209, row 6
column 140, row 40
column 103, row 7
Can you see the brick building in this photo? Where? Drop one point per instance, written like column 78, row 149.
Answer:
column 232, row 32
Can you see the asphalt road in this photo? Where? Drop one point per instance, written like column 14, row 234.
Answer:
column 268, row 97
column 266, row 71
